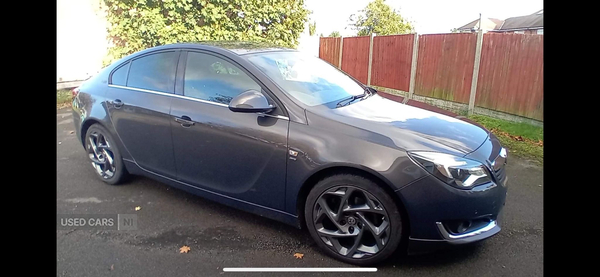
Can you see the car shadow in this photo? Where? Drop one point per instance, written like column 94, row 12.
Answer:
column 225, row 212
column 445, row 256
column 300, row 237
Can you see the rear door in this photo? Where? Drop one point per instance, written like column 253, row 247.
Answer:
column 242, row 155
column 139, row 101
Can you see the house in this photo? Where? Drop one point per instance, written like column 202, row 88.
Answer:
column 487, row 24
column 528, row 24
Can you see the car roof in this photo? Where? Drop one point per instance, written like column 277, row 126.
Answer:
column 238, row 47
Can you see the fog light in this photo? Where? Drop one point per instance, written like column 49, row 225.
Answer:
column 464, row 226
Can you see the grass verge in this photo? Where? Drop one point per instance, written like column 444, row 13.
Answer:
column 521, row 139
column 63, row 98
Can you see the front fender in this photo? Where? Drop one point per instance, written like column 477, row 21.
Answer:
column 321, row 149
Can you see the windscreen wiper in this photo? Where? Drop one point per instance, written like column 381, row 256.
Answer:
column 349, row 100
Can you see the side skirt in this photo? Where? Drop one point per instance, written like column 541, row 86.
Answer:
column 134, row 168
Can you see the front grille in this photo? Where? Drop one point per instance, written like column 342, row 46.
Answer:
column 499, row 165
column 500, row 174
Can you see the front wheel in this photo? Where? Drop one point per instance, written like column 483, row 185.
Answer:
column 353, row 219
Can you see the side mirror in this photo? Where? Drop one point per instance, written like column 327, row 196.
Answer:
column 250, row 101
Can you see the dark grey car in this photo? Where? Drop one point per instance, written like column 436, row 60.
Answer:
column 288, row 136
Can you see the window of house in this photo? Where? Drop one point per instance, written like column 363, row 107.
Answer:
column 519, row 32
column 154, row 72
column 540, row 31
column 211, row 78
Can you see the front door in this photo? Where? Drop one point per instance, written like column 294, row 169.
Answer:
column 241, row 155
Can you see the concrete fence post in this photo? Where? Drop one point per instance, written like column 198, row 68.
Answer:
column 413, row 66
column 475, row 72
column 341, row 49
column 370, row 59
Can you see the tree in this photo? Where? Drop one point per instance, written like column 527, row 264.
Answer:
column 312, row 28
column 379, row 18
column 335, row 34
column 134, row 25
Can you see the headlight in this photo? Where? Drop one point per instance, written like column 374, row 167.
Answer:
column 456, row 171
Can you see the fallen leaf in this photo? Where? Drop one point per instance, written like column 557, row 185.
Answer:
column 138, row 208
column 71, row 132
column 298, row 255
column 184, row 249
column 112, row 267
column 59, row 143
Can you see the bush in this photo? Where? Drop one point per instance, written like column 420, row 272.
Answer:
column 135, row 25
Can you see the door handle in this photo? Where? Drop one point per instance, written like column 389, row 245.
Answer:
column 117, row 103
column 185, row 121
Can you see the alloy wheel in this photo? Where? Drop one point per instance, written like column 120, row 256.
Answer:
column 351, row 221
column 101, row 155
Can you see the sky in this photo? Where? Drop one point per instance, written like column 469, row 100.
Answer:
column 80, row 39
column 77, row 60
column 428, row 16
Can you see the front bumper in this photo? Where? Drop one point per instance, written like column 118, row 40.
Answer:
column 478, row 234
column 434, row 207
column 421, row 246
column 441, row 215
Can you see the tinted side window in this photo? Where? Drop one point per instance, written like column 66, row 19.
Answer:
column 213, row 79
column 119, row 76
column 154, row 72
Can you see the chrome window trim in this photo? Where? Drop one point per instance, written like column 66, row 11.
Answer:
column 191, row 98
column 169, row 94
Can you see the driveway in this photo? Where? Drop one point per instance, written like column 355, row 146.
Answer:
column 220, row 236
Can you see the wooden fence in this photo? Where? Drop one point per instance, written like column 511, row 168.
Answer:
column 329, row 50
column 511, row 74
column 509, row 67
column 355, row 51
column 392, row 55
column 445, row 66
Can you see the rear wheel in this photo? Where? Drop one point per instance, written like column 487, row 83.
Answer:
column 104, row 155
column 353, row 219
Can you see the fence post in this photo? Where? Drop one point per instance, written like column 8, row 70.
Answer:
column 413, row 66
column 370, row 59
column 341, row 48
column 475, row 72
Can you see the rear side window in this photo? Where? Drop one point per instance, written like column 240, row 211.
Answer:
column 154, row 72
column 119, row 76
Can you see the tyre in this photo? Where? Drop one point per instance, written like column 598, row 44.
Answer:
column 104, row 155
column 353, row 219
